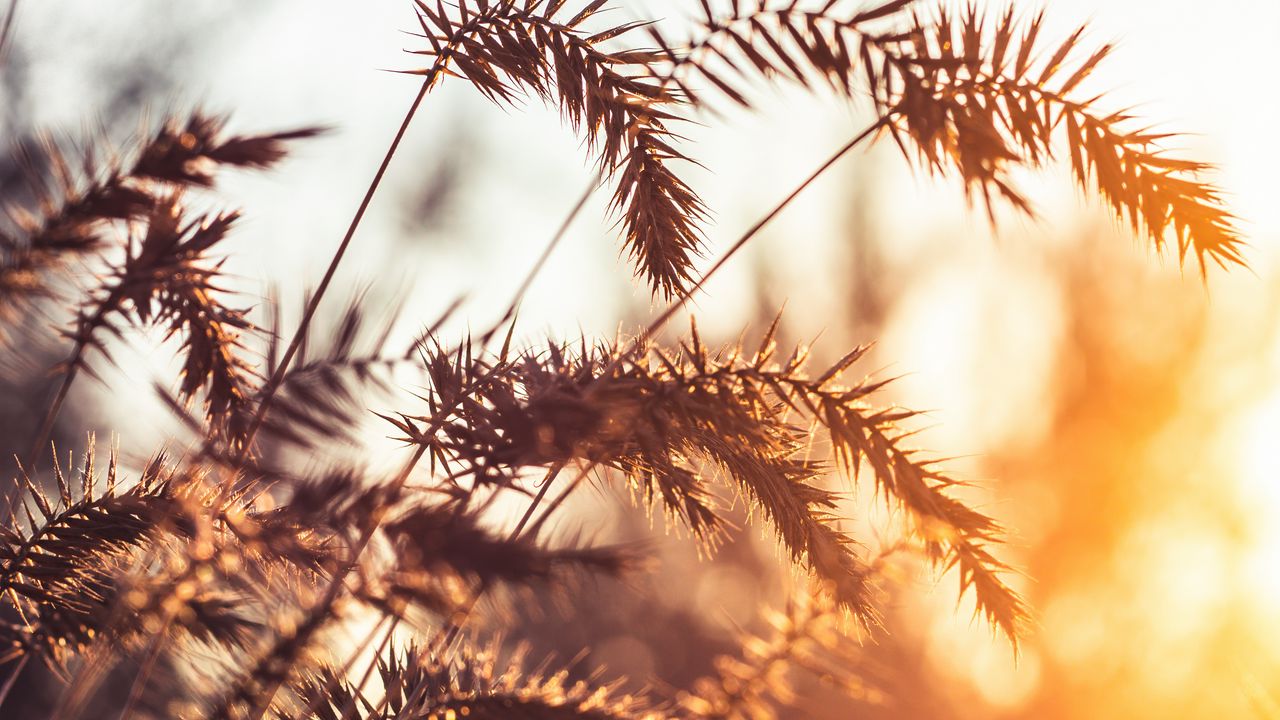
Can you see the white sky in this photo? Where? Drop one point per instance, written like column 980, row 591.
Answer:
column 1193, row 66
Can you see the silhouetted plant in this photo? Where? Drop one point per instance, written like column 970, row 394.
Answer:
column 260, row 562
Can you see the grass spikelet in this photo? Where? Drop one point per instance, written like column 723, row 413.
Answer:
column 72, row 213
column 610, row 97
column 476, row 684
column 67, row 571
column 982, row 102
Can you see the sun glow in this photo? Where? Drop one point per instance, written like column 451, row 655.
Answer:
column 1258, row 479
column 1259, row 458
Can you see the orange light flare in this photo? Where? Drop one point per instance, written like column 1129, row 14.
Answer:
column 1257, row 475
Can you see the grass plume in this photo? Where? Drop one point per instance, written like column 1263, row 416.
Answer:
column 261, row 548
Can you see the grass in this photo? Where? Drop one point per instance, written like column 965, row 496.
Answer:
column 257, row 562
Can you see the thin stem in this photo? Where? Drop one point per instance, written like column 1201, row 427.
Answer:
column 18, row 667
column 6, row 32
column 542, row 259
column 368, row 671
column 537, row 499
column 144, row 673
column 564, row 495
column 456, row 624
column 51, row 416
column 460, row 618
column 510, row 312
column 338, row 582
column 456, row 627
column 675, row 306
column 273, row 384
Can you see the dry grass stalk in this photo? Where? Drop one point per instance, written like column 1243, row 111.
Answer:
column 258, row 564
column 164, row 281
column 608, row 96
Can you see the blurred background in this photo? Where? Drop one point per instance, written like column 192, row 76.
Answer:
column 1121, row 416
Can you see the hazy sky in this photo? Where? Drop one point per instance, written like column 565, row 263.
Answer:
column 287, row 62
column 503, row 179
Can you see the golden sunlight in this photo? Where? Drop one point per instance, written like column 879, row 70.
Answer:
column 1258, row 434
